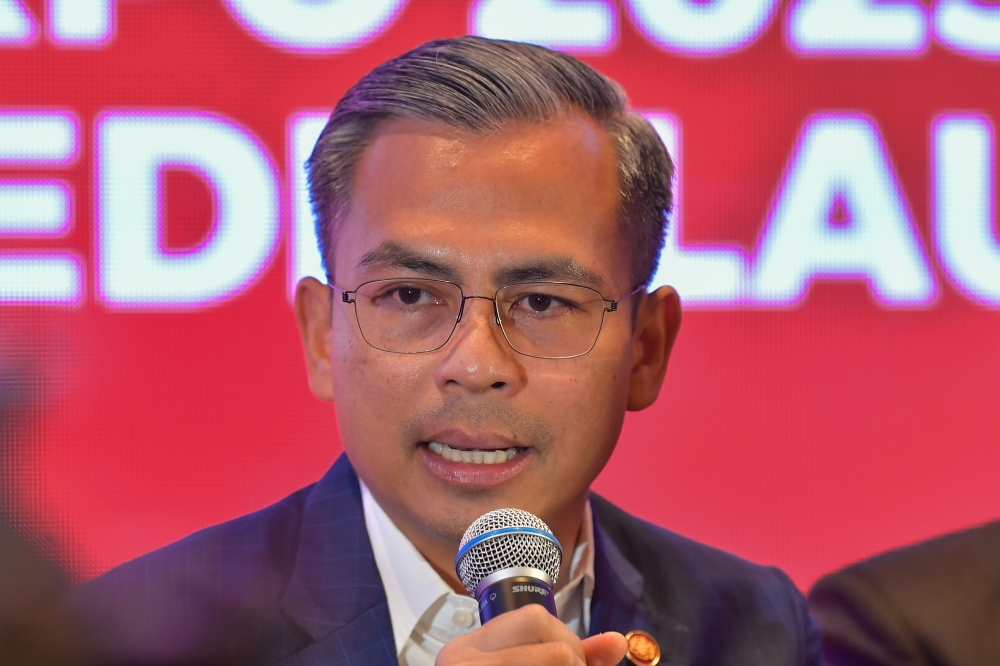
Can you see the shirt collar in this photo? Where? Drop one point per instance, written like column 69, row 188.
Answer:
column 582, row 564
column 581, row 573
column 412, row 585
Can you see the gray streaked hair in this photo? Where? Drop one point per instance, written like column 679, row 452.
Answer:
column 481, row 85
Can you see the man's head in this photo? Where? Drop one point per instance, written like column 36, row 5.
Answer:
column 485, row 164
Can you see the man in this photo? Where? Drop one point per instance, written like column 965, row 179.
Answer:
column 933, row 604
column 489, row 214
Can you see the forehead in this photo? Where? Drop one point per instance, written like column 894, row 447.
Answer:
column 474, row 201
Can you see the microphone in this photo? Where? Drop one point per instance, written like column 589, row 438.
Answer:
column 509, row 558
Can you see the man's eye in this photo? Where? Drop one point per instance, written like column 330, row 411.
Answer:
column 408, row 295
column 539, row 302
column 543, row 304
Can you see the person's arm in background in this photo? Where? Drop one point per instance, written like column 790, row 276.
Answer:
column 861, row 626
column 934, row 604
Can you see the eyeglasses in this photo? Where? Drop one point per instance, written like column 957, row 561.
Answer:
column 538, row 319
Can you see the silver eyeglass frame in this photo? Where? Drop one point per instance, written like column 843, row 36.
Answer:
column 611, row 305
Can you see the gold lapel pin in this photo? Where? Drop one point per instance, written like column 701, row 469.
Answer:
column 643, row 650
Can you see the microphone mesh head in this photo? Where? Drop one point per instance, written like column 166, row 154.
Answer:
column 504, row 551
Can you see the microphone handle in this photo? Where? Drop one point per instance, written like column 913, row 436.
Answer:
column 511, row 593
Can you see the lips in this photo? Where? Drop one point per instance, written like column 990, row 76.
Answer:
column 462, row 469
column 473, row 459
column 474, row 456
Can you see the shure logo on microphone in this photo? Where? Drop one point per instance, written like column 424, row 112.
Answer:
column 530, row 588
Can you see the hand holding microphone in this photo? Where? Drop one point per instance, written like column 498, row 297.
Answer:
column 509, row 561
column 531, row 636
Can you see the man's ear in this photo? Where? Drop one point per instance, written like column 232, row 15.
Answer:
column 656, row 325
column 312, row 311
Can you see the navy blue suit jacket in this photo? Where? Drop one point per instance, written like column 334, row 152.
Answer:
column 296, row 583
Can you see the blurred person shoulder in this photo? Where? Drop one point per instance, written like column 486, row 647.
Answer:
column 35, row 630
column 934, row 603
column 712, row 606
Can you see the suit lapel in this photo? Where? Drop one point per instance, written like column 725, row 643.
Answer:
column 335, row 593
column 363, row 641
column 618, row 587
column 619, row 604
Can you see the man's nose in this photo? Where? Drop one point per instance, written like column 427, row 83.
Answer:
column 478, row 358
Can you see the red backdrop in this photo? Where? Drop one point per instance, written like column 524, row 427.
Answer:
column 834, row 389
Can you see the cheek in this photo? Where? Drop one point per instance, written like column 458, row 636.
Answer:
column 605, row 395
column 374, row 391
column 375, row 395
column 586, row 397
column 368, row 372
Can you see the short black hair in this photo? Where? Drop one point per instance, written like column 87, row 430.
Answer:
column 480, row 85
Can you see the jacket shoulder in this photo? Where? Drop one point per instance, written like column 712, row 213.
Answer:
column 732, row 610
column 204, row 594
column 651, row 547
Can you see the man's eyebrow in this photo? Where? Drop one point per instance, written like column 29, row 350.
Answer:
column 393, row 255
column 555, row 269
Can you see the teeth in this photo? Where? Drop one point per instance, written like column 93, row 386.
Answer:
column 474, row 456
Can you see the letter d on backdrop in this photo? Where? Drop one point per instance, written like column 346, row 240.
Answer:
column 134, row 270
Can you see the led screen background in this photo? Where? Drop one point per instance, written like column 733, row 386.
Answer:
column 834, row 389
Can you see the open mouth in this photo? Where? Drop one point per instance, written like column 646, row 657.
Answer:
column 474, row 456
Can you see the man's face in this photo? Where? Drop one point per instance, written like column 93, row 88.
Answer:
column 537, row 200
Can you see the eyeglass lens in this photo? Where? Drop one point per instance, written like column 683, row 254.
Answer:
column 544, row 319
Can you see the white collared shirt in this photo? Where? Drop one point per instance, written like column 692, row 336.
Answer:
column 426, row 613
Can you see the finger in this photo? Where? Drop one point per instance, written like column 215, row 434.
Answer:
column 527, row 625
column 605, row 649
column 544, row 654
column 540, row 654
